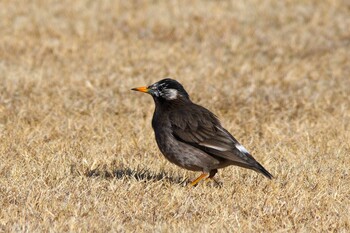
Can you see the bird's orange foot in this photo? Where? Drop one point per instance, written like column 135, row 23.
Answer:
column 201, row 177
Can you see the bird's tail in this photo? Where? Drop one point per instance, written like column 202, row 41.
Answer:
column 259, row 168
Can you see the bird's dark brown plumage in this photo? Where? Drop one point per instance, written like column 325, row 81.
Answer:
column 192, row 137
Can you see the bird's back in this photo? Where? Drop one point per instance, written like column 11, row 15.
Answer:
column 200, row 128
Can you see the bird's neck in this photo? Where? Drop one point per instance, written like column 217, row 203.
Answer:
column 167, row 105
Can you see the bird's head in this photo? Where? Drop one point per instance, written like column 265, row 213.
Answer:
column 165, row 89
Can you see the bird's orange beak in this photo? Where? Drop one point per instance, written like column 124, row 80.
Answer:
column 142, row 89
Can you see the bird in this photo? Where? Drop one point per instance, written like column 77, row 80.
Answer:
column 191, row 136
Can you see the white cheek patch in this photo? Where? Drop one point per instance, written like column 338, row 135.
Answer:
column 171, row 94
column 242, row 149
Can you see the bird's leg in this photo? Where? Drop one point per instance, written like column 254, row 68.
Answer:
column 201, row 177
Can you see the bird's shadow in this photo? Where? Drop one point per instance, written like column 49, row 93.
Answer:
column 144, row 175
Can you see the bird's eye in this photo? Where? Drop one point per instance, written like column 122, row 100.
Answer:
column 162, row 86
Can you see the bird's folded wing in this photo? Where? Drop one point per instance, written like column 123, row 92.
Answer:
column 203, row 130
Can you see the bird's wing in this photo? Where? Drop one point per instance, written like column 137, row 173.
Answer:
column 201, row 129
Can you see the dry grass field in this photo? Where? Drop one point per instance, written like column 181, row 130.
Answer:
column 77, row 151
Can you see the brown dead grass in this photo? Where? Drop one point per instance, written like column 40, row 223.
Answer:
column 77, row 152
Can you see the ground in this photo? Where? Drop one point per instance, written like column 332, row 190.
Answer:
column 77, row 151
